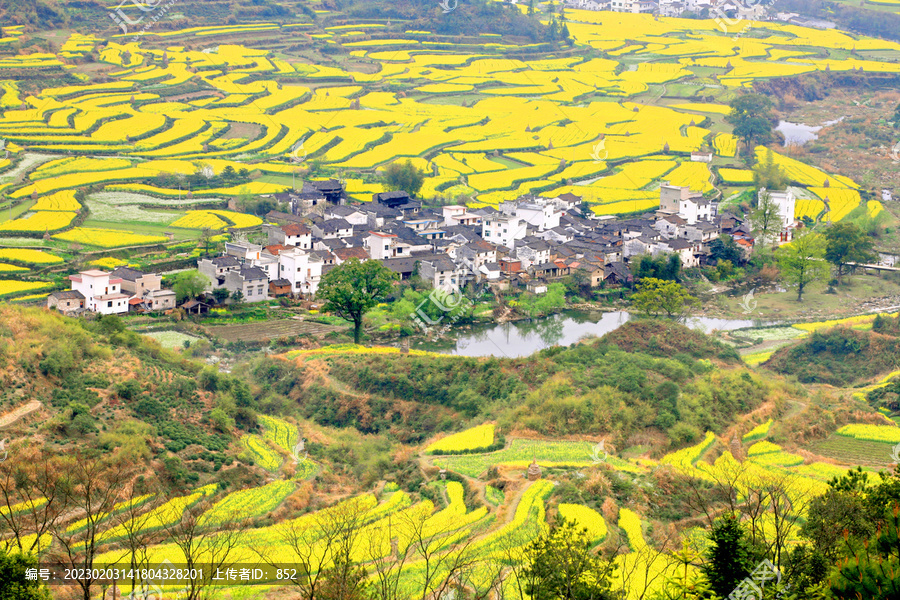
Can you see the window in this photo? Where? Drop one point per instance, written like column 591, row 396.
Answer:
column 109, row 304
column 249, row 291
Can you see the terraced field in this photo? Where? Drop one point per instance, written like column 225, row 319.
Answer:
column 269, row 330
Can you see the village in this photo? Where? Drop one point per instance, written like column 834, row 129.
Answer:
column 523, row 244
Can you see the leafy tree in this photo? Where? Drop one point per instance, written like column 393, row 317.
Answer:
column 846, row 243
column 404, row 176
column 765, row 221
column 561, row 566
column 730, row 557
column 725, row 248
column 897, row 117
column 751, row 116
column 553, row 299
column 237, row 296
column 662, row 266
column 205, row 237
column 769, row 174
column 189, row 284
column 803, row 260
column 220, row 294
column 13, row 585
column 352, row 288
column 656, row 297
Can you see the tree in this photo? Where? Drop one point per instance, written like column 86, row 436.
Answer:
column 765, row 221
column 190, row 284
column 220, row 294
column 897, row 117
column 551, row 300
column 846, row 243
column 725, row 248
column 205, row 237
column 206, row 550
column 321, row 549
column 751, row 117
column 13, row 585
column 404, row 176
column 730, row 557
column 561, row 566
column 27, row 477
column 352, row 288
column 769, row 174
column 95, row 487
column 803, row 260
column 656, row 297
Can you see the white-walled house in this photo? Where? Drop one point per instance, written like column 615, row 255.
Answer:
column 102, row 293
column 302, row 269
column 681, row 201
column 541, row 214
column 503, row 230
column 380, row 244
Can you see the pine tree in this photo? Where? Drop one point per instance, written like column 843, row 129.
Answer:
column 729, row 558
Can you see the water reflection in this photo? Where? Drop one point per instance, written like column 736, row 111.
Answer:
column 522, row 338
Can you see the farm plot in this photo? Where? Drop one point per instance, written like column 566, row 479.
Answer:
column 172, row 339
column 520, row 452
column 849, row 450
column 470, row 439
column 269, row 330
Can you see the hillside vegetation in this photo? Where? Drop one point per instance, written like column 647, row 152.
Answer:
column 841, row 356
column 669, row 388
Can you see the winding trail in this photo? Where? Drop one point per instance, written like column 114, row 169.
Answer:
column 19, row 412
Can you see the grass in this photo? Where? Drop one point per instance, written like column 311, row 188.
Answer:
column 172, row 340
column 784, row 305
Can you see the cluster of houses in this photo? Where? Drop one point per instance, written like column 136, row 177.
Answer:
column 729, row 11
column 740, row 9
column 109, row 293
column 524, row 243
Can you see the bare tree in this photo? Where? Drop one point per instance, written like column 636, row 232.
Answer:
column 650, row 564
column 317, row 542
column 33, row 497
column 208, row 550
column 427, row 557
column 136, row 519
column 94, row 488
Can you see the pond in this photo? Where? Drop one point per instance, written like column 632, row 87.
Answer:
column 522, row 338
column 797, row 134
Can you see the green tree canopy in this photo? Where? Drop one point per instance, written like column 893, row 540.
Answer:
column 730, row 557
column 404, row 176
column 725, row 248
column 803, row 260
column 846, row 243
column 353, row 288
column 561, row 566
column 769, row 174
column 765, row 220
column 751, row 117
column 190, row 284
column 13, row 584
column 657, row 297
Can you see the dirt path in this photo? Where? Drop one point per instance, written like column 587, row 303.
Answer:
column 20, row 412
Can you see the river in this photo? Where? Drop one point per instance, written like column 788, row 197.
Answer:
column 522, row 338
